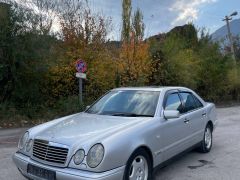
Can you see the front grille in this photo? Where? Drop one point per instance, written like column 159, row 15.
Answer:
column 45, row 152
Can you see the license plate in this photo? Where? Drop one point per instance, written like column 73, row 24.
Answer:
column 40, row 172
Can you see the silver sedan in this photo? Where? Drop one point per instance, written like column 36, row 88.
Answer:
column 124, row 135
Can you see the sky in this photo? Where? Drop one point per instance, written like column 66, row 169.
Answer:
column 162, row 15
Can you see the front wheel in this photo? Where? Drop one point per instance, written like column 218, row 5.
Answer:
column 206, row 143
column 139, row 166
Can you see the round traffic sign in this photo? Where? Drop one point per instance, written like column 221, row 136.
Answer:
column 81, row 66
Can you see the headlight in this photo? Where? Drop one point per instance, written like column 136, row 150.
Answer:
column 95, row 155
column 29, row 145
column 79, row 156
column 23, row 140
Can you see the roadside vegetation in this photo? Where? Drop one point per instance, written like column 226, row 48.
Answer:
column 37, row 72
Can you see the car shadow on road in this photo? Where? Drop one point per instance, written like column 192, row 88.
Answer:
column 187, row 161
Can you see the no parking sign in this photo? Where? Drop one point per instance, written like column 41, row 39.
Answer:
column 81, row 66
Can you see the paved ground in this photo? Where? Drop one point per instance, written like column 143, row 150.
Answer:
column 222, row 163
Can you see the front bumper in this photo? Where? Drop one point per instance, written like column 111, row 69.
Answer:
column 22, row 162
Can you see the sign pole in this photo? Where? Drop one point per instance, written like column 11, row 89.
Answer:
column 80, row 90
column 81, row 68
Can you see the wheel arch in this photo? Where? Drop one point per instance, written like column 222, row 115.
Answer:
column 210, row 123
column 147, row 150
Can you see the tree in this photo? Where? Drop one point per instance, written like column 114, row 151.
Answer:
column 25, row 52
column 237, row 47
column 138, row 26
column 133, row 64
column 126, row 20
column 180, row 58
column 178, row 63
column 5, row 45
column 46, row 13
column 84, row 36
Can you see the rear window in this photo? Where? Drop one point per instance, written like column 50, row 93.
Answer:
column 188, row 101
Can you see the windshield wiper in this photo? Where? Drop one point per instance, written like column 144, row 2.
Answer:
column 131, row 115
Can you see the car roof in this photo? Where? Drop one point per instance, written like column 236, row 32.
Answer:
column 152, row 88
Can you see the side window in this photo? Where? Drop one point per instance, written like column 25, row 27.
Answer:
column 188, row 101
column 173, row 102
column 197, row 102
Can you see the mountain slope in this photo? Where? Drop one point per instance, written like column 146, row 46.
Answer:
column 222, row 32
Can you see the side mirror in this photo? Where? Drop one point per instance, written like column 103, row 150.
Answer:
column 87, row 107
column 171, row 114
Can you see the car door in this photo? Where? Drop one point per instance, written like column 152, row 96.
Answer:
column 194, row 113
column 174, row 130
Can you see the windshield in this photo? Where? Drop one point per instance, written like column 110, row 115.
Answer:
column 127, row 103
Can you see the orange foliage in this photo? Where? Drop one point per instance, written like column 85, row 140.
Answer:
column 60, row 82
column 134, row 64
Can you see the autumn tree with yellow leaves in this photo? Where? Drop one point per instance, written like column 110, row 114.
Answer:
column 84, row 35
column 134, row 65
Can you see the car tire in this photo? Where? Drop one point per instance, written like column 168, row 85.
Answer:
column 206, row 143
column 139, row 166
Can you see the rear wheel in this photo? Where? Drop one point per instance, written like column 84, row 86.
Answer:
column 206, row 143
column 139, row 166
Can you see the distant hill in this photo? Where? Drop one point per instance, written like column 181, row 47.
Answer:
column 187, row 32
column 222, row 32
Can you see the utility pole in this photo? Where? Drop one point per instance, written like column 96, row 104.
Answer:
column 227, row 19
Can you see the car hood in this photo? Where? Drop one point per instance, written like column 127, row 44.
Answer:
column 84, row 128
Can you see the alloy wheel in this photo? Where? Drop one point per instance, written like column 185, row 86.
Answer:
column 139, row 169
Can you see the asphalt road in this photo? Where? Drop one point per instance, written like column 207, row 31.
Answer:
column 222, row 163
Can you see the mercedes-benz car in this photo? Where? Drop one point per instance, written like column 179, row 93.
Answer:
column 125, row 134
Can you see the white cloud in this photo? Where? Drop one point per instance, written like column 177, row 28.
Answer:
column 187, row 10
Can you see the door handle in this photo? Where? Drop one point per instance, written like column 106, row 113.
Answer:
column 186, row 120
column 204, row 114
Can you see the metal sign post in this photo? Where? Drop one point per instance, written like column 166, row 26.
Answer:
column 81, row 68
column 80, row 90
